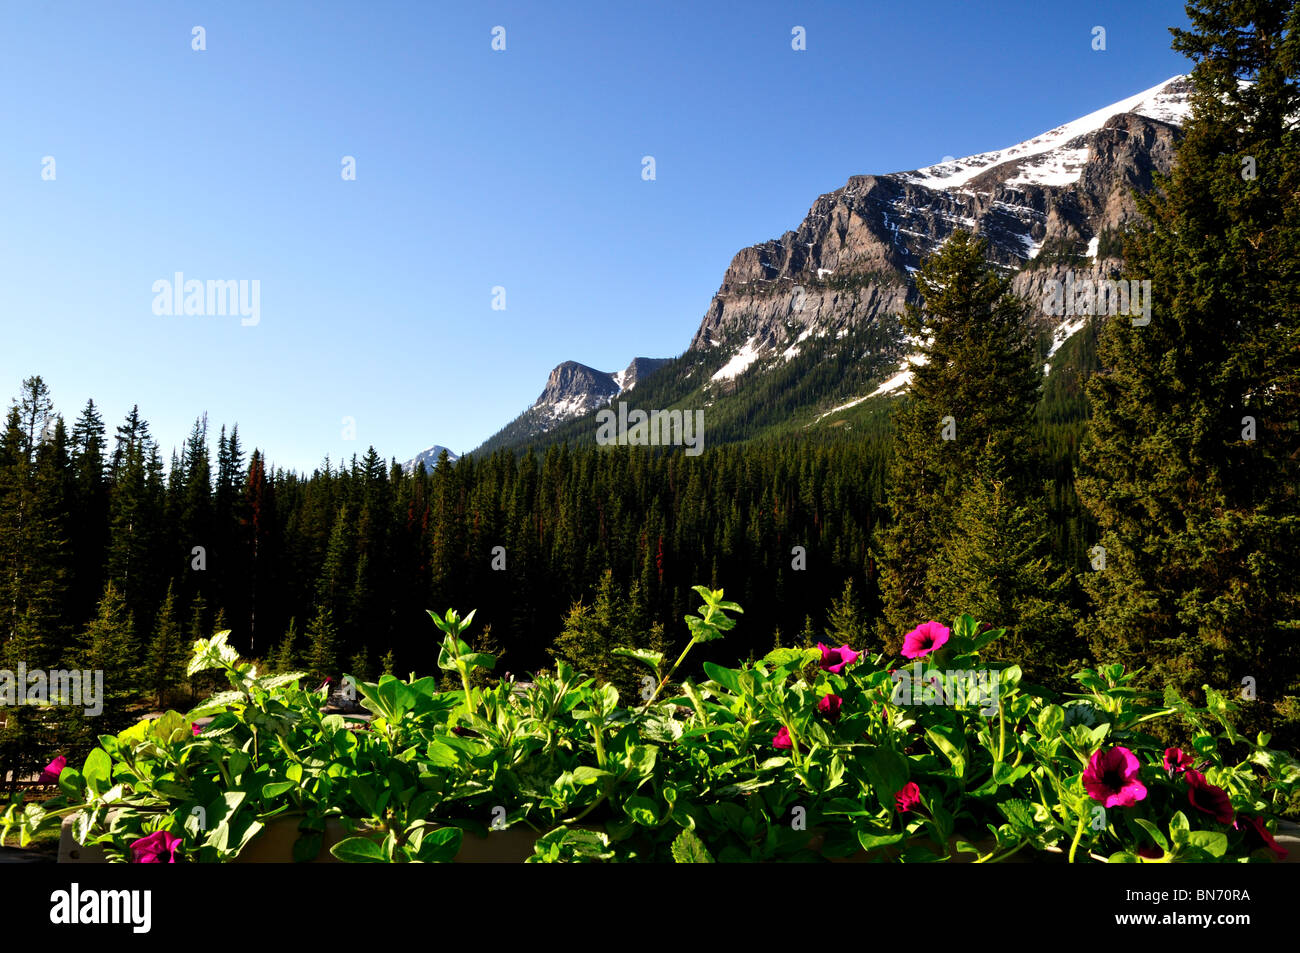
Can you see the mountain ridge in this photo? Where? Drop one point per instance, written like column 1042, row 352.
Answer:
column 828, row 293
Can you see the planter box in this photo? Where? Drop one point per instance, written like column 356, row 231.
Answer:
column 274, row 845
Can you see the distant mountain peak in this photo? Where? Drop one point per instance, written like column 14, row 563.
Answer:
column 573, row 390
column 429, row 458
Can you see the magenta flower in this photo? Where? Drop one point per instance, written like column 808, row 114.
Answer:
column 782, row 739
column 154, row 848
column 52, row 770
column 924, row 639
column 830, row 707
column 1257, row 836
column 907, row 798
column 197, row 730
column 1150, row 852
column 1177, row 761
column 1206, row 798
column 1112, row 778
column 834, row 660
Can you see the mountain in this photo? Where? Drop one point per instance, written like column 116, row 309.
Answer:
column 429, row 458
column 573, row 390
column 805, row 327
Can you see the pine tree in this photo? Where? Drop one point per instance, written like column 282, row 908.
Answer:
column 286, row 653
column 1190, row 462
column 997, row 565
column 88, row 531
column 591, row 633
column 322, row 645
column 136, row 515
column 109, row 645
column 807, row 637
column 846, row 624
column 360, row 666
column 165, row 663
column 35, row 560
column 969, row 416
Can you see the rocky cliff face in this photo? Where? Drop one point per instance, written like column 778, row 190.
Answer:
column 1050, row 205
column 849, row 261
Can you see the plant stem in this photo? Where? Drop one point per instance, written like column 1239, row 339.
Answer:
column 1078, row 834
column 1002, row 731
column 664, row 681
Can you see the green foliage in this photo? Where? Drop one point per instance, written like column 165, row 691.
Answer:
column 165, row 661
column 109, row 644
column 1199, row 515
column 593, row 635
column 322, row 645
column 966, row 481
column 996, row 768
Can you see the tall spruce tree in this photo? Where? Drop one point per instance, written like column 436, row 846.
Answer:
column 969, row 417
column 1191, row 461
column 164, row 666
column 35, row 560
column 996, row 564
column 322, row 645
column 846, row 623
column 109, row 645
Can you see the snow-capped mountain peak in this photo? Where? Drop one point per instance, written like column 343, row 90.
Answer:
column 1056, row 157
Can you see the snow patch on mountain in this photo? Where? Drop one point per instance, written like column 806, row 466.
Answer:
column 903, row 377
column 1064, row 167
column 740, row 362
column 1064, row 331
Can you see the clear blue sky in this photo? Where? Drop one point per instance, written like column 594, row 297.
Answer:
column 475, row 169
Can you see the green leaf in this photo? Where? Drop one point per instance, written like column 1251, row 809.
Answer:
column 870, row 841
column 358, row 850
column 479, row 660
column 886, row 772
column 71, row 783
column 1212, row 842
column 728, row 678
column 642, row 811
column 276, row 788
column 97, row 770
column 653, row 659
column 440, row 846
column 439, row 755
column 307, row 848
column 783, row 657
column 949, row 749
column 1050, row 721
column 689, row 849
column 1156, row 834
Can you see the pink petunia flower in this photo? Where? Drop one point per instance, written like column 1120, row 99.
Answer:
column 158, row 848
column 1150, row 852
column 1112, row 778
column 197, row 730
column 1177, row 761
column 782, row 739
column 52, row 770
column 924, row 639
column 1257, row 836
column 907, row 798
column 834, row 660
column 1207, row 798
column 830, row 707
